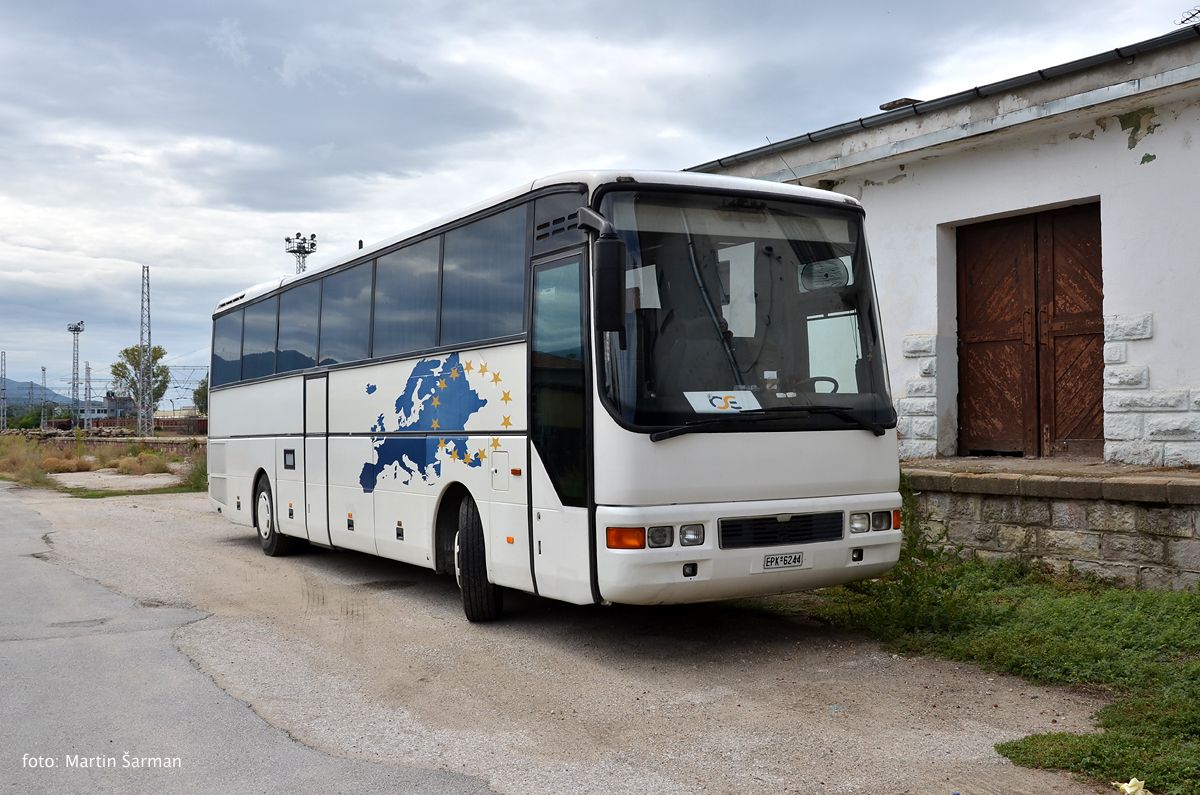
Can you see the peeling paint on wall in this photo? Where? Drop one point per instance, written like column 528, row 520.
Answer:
column 1090, row 135
column 897, row 178
column 1139, row 123
column 1148, row 158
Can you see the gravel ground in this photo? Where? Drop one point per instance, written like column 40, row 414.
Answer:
column 369, row 659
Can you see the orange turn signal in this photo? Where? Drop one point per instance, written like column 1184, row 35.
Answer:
column 897, row 522
column 626, row 538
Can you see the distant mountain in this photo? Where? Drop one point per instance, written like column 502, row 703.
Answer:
column 19, row 394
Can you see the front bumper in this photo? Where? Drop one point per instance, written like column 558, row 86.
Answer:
column 660, row 576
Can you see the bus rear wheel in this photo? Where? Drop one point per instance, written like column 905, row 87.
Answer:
column 273, row 542
column 482, row 600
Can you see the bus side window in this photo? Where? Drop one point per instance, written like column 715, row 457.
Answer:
column 483, row 278
column 258, row 339
column 406, row 284
column 298, row 310
column 227, row 349
column 346, row 315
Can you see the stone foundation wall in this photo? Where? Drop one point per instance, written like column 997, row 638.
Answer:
column 1139, row 531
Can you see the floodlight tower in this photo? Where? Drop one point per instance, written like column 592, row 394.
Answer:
column 145, row 394
column 3, row 390
column 42, row 424
column 76, row 329
column 300, row 247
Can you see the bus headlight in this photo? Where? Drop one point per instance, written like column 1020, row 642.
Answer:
column 860, row 522
column 691, row 535
column 881, row 520
column 660, row 536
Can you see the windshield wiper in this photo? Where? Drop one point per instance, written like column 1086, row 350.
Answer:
column 695, row 425
column 708, row 302
column 837, row 411
column 769, row 414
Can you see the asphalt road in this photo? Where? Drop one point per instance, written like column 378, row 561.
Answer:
column 148, row 624
column 91, row 677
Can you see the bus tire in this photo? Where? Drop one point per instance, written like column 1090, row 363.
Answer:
column 273, row 542
column 482, row 600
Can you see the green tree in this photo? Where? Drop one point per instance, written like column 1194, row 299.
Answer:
column 200, row 396
column 126, row 373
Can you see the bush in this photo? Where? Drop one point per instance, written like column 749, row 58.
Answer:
column 144, row 463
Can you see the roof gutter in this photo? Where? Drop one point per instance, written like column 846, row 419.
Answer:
column 1042, row 75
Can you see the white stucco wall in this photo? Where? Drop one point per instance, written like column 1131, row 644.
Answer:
column 1148, row 185
column 1123, row 134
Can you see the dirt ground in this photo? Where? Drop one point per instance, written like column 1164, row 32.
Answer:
column 112, row 480
column 369, row 659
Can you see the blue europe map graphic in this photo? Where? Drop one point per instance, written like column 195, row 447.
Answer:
column 437, row 399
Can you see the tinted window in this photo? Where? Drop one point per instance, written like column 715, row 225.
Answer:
column 556, row 222
column 258, row 339
column 483, row 292
column 227, row 349
column 346, row 315
column 557, row 380
column 406, row 299
column 298, row 310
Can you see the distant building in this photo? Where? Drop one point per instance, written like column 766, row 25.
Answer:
column 119, row 405
column 1037, row 252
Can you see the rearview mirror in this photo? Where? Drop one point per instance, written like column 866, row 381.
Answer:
column 608, row 267
column 608, row 271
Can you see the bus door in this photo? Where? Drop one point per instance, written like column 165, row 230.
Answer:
column 316, row 458
column 558, row 453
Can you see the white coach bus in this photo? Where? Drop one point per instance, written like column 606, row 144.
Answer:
column 603, row 387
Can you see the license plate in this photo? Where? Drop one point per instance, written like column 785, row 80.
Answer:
column 788, row 560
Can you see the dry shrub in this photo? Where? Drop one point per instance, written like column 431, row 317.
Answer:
column 66, row 463
column 142, row 464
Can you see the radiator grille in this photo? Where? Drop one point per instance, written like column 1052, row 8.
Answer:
column 768, row 531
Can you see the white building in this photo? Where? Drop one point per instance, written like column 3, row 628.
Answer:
column 1037, row 252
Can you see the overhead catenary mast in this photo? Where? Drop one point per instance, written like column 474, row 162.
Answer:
column 76, row 329
column 3, row 390
column 145, row 394
column 42, row 425
column 87, row 415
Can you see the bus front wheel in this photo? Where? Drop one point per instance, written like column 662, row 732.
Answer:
column 273, row 543
column 482, row 600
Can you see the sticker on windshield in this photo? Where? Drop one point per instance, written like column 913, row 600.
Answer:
column 734, row 400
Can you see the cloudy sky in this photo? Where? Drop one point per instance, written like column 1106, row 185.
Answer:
column 195, row 137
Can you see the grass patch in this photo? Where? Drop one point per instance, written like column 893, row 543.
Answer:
column 99, row 494
column 1143, row 646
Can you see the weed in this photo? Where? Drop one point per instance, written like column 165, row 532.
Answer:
column 197, row 472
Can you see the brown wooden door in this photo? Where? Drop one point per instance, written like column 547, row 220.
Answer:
column 1031, row 335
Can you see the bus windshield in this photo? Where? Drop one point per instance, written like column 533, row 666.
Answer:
column 740, row 308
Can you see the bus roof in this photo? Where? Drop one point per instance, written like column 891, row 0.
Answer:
column 592, row 179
